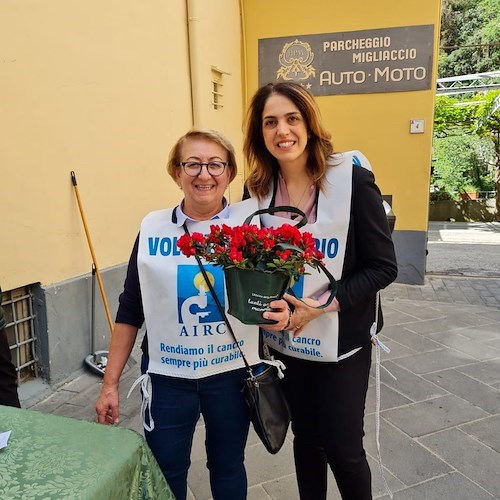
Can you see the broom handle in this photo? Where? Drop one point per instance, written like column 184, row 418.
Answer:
column 89, row 241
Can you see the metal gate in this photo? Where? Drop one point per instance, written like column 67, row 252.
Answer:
column 20, row 328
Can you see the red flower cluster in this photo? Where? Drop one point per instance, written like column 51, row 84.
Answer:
column 284, row 249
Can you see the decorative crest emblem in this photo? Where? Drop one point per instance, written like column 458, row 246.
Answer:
column 295, row 59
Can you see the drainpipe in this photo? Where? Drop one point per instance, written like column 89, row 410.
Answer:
column 244, row 72
column 195, row 56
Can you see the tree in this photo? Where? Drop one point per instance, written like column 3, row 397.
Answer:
column 488, row 126
column 460, row 164
column 467, row 143
column 470, row 37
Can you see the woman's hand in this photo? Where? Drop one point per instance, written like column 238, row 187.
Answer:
column 282, row 315
column 122, row 342
column 305, row 311
column 107, row 406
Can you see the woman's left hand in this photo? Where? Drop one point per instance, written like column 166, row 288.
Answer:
column 303, row 313
column 282, row 314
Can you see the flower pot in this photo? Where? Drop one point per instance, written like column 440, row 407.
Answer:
column 469, row 195
column 250, row 292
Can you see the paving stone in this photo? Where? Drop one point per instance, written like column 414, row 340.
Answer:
column 419, row 419
column 134, row 423
column 397, row 318
column 415, row 293
column 78, row 412
column 283, row 487
column 198, row 480
column 257, row 493
column 414, row 341
column 131, row 405
column 458, row 295
column 418, row 310
column 53, row 402
column 437, row 284
column 493, row 343
column 392, row 291
column 491, row 301
column 378, row 485
column 389, row 398
column 485, row 371
column 477, row 393
column 480, row 461
column 407, row 460
column 472, row 347
column 453, row 485
column 397, row 350
column 82, row 382
column 87, row 397
column 493, row 314
column 408, row 384
column 486, row 430
column 263, row 467
column 467, row 313
column 198, row 451
column 434, row 360
column 432, row 326
column 484, row 332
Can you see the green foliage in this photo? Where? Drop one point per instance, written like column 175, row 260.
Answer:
column 451, row 117
column 470, row 36
column 461, row 164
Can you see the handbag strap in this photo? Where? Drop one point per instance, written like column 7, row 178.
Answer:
column 321, row 266
column 283, row 208
column 219, row 305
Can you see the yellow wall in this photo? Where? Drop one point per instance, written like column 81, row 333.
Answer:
column 214, row 40
column 376, row 124
column 104, row 89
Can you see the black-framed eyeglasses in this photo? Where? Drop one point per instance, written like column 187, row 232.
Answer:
column 193, row 168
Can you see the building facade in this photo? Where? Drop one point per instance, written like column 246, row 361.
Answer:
column 105, row 89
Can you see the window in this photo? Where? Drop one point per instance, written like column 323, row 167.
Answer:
column 19, row 317
column 217, row 87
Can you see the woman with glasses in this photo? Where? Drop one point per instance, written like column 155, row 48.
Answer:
column 190, row 364
column 293, row 163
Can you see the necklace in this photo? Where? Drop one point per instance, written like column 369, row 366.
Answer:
column 297, row 205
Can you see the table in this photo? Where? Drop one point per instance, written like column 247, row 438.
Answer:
column 54, row 457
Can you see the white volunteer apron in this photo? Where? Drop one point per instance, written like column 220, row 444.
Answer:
column 187, row 336
column 319, row 339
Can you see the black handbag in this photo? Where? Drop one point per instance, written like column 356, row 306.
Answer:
column 263, row 392
column 269, row 410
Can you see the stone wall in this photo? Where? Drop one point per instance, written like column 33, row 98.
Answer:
column 463, row 210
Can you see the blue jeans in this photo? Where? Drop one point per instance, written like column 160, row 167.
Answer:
column 176, row 407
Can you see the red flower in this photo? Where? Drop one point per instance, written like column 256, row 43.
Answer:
column 251, row 247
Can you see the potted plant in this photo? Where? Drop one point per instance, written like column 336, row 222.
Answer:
column 259, row 264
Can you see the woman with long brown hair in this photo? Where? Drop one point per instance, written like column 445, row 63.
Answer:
column 327, row 351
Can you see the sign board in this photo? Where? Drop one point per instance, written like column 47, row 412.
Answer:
column 352, row 62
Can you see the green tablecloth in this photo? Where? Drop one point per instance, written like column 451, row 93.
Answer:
column 52, row 457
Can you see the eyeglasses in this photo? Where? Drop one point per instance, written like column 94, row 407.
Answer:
column 193, row 168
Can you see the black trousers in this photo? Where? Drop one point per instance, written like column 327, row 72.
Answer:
column 328, row 402
column 8, row 377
